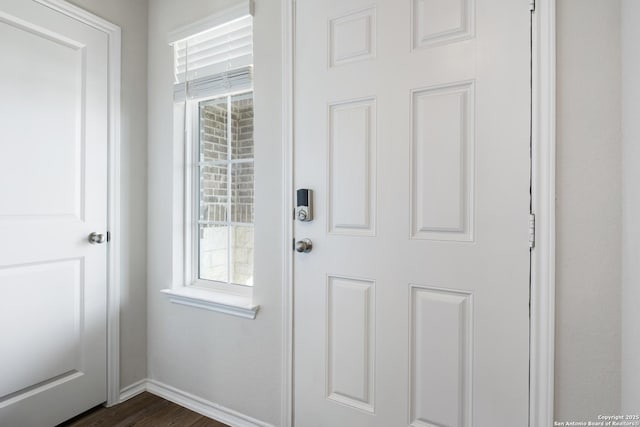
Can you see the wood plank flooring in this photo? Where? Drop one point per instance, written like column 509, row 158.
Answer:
column 143, row 410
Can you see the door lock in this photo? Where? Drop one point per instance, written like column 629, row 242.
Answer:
column 304, row 246
column 97, row 238
column 304, row 205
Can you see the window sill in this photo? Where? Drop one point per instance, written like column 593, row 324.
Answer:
column 234, row 305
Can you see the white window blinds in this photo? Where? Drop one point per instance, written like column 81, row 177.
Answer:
column 215, row 61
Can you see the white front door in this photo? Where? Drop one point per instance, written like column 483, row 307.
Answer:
column 412, row 128
column 53, row 194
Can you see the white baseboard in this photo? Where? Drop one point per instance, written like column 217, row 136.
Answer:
column 132, row 390
column 189, row 401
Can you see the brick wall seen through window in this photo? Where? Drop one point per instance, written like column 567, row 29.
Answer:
column 226, row 189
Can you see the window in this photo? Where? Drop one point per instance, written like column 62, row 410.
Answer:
column 214, row 90
column 225, row 178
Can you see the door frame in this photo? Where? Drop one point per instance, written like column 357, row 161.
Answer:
column 543, row 196
column 543, row 176
column 114, row 36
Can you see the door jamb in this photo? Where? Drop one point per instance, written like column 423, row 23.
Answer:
column 542, row 332
column 288, row 49
column 543, row 139
column 114, row 36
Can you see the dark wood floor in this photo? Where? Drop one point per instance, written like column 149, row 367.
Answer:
column 144, row 410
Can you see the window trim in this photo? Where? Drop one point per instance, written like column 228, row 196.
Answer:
column 221, row 302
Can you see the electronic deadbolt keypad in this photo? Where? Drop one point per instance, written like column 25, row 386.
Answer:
column 304, row 205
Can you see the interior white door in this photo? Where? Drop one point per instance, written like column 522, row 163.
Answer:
column 412, row 127
column 53, row 194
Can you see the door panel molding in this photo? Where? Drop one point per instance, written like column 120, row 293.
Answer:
column 114, row 35
column 350, row 346
column 358, row 26
column 444, row 316
column 53, row 289
column 462, row 27
column 434, row 216
column 351, row 206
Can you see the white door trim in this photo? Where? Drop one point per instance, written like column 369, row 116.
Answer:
column 542, row 333
column 288, row 27
column 543, row 269
column 113, row 33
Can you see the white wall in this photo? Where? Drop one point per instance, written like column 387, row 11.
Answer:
column 588, row 210
column 226, row 360
column 131, row 16
column 631, row 206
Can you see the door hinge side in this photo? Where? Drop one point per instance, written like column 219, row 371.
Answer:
column 532, row 5
column 532, row 231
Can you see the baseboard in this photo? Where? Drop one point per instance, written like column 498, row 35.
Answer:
column 189, row 401
column 133, row 390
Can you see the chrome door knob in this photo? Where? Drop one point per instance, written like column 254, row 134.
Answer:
column 304, row 246
column 97, row 238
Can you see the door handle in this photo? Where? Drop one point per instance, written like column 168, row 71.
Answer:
column 304, row 246
column 97, row 238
